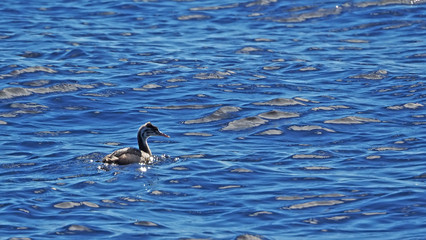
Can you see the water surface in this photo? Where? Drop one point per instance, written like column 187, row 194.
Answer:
column 287, row 120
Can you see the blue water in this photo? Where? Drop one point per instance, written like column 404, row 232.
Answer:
column 288, row 120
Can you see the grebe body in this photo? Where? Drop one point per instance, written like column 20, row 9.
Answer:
column 132, row 155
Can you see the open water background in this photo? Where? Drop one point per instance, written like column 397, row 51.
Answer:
column 288, row 119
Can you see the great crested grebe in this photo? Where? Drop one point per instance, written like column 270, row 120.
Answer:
column 132, row 155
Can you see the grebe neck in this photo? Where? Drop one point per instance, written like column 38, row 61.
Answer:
column 143, row 144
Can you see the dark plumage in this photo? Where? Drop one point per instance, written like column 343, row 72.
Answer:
column 132, row 155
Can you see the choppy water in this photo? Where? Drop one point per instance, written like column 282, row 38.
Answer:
column 288, row 120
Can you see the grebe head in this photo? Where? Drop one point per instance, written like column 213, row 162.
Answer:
column 147, row 130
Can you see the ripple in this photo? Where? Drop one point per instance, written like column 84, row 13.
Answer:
column 329, row 108
column 151, row 86
column 193, row 17
column 381, row 149
column 255, row 214
column 7, row 93
column 260, row 3
column 193, row 156
column 271, row 68
column 377, row 75
column 51, row 133
column 280, row 102
column 34, row 83
column 317, row 168
column 180, row 168
column 245, row 123
column 319, row 13
column 221, row 113
column 352, row 120
column 67, row 205
column 79, row 228
column 315, row 204
column 213, row 8
column 421, row 176
column 276, row 114
column 152, row 73
column 242, row 170
column 14, row 92
column 180, row 107
column 157, row 192
column 17, row 165
column 198, row 134
column 374, row 213
column 372, row 157
column 229, row 187
column 271, row 132
column 406, row 106
column 337, row 218
column 250, row 237
column 24, row 108
column 15, row 73
column 30, row 54
column 249, row 50
column 130, row 199
column 214, row 75
column 309, row 156
column 304, row 69
column 385, row 2
column 74, row 53
column 27, row 105
column 173, row 80
column 355, row 41
column 148, row 87
column 263, row 40
column 310, row 128
column 146, row 224
column 90, row 204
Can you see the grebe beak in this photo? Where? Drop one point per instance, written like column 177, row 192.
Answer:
column 163, row 134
